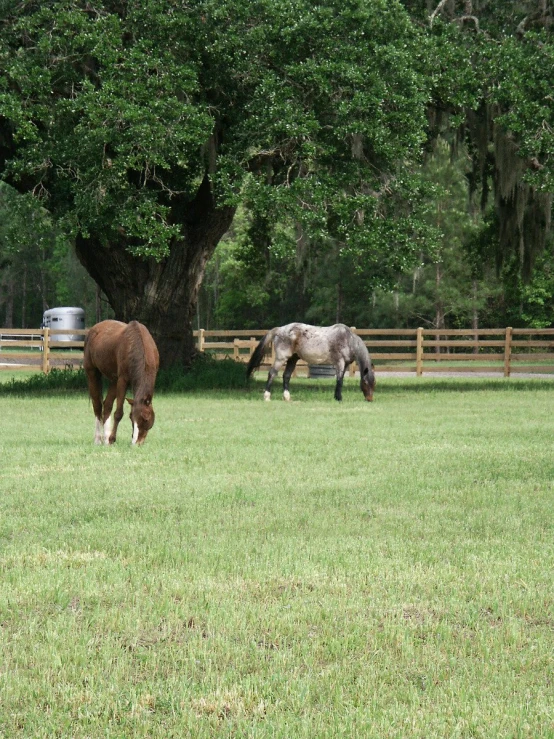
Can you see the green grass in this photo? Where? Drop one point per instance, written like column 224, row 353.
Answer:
column 281, row 570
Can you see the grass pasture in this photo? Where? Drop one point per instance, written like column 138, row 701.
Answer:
column 282, row 570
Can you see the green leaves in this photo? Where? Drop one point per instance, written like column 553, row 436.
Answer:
column 103, row 117
column 115, row 114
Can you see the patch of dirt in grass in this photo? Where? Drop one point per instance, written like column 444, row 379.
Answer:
column 227, row 704
column 418, row 615
column 164, row 632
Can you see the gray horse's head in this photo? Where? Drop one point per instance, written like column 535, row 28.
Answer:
column 367, row 382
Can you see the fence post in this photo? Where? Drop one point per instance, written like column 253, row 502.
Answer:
column 45, row 350
column 419, row 352
column 236, row 356
column 507, row 351
column 200, row 339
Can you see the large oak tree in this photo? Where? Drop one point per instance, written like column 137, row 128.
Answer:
column 141, row 122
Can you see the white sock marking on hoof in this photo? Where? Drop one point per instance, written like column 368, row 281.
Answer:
column 107, row 430
column 135, row 433
column 98, row 432
column 267, row 395
column 286, row 395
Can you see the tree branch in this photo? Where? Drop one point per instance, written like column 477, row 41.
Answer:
column 464, row 18
column 436, row 11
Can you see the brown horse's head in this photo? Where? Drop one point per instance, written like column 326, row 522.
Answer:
column 367, row 382
column 142, row 417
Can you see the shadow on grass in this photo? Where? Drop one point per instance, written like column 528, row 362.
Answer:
column 462, row 384
column 412, row 385
column 205, row 373
column 208, row 374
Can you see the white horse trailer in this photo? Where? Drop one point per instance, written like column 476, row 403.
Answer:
column 65, row 318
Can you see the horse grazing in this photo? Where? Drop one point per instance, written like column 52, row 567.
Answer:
column 125, row 354
column 336, row 345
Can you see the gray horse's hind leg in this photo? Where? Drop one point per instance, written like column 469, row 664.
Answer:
column 289, row 369
column 273, row 372
column 340, row 369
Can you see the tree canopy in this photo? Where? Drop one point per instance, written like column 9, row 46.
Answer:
column 142, row 125
column 115, row 111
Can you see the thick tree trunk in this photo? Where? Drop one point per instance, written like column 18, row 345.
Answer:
column 162, row 295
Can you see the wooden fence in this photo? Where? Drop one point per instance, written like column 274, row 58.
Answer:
column 502, row 350
column 40, row 349
column 505, row 351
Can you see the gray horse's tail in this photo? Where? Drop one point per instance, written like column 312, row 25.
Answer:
column 258, row 353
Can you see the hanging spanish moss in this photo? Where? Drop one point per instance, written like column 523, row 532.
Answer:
column 523, row 212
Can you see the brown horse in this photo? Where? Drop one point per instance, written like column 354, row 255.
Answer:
column 125, row 354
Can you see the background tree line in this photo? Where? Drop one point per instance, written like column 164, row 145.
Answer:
column 376, row 162
column 39, row 268
column 457, row 284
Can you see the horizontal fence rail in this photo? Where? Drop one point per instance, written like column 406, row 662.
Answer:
column 41, row 349
column 505, row 351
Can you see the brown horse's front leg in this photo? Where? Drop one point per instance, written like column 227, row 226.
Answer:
column 107, row 413
column 118, row 415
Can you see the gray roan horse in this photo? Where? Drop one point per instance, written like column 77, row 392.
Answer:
column 336, row 345
column 125, row 354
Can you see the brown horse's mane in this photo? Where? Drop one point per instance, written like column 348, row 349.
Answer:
column 142, row 364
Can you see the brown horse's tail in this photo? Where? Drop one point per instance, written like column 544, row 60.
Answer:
column 258, row 353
